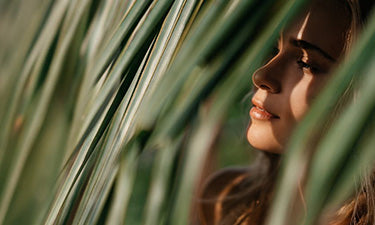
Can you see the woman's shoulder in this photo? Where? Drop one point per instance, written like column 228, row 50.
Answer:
column 216, row 191
column 234, row 196
column 222, row 180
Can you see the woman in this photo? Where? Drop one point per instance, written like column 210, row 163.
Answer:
column 284, row 89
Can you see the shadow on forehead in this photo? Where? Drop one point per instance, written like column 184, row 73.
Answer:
column 324, row 24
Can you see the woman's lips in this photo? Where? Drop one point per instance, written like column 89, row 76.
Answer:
column 259, row 113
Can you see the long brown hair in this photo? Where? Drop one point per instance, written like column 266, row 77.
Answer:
column 360, row 209
column 238, row 196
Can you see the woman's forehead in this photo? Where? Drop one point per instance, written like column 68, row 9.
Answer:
column 324, row 24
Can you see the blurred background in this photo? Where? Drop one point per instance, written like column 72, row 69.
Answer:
column 116, row 111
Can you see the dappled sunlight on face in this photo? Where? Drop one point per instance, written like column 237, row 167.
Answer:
column 286, row 86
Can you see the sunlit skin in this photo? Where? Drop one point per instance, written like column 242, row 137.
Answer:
column 286, row 86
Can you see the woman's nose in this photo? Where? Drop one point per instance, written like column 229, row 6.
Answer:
column 265, row 78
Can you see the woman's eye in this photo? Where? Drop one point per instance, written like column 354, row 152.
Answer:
column 304, row 65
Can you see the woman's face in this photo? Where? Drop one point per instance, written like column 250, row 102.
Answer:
column 286, row 86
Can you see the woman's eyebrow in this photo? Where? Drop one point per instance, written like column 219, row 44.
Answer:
column 308, row 46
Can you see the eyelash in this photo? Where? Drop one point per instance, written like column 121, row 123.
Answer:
column 304, row 65
column 301, row 64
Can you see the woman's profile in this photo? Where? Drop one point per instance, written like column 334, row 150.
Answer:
column 284, row 89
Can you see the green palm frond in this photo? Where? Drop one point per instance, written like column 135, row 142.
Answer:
column 109, row 108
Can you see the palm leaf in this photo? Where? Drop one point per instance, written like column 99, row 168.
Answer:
column 131, row 96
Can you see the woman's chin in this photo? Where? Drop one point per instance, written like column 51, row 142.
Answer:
column 264, row 141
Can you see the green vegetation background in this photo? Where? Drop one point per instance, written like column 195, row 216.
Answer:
column 109, row 108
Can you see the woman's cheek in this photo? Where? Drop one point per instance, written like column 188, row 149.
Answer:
column 300, row 98
column 304, row 93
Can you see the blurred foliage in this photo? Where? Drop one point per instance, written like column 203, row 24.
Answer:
column 109, row 108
